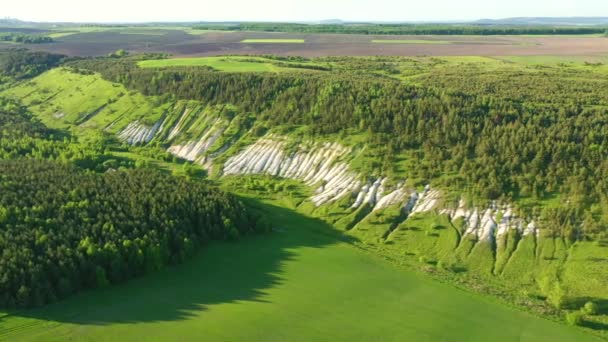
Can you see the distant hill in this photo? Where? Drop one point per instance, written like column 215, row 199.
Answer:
column 568, row 21
column 331, row 22
column 12, row 22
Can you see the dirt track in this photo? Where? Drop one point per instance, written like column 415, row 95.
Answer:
column 220, row 43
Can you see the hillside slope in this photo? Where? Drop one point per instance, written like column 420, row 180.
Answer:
column 526, row 246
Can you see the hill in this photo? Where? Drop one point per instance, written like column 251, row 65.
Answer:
column 460, row 168
column 552, row 21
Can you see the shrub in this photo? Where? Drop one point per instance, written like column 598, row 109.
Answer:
column 590, row 308
column 557, row 296
column 574, row 318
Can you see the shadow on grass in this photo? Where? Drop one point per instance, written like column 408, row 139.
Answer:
column 602, row 305
column 222, row 272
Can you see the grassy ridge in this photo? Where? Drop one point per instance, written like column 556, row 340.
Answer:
column 226, row 64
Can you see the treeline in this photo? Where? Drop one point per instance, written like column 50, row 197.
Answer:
column 21, row 63
column 404, row 29
column 497, row 136
column 24, row 38
column 64, row 230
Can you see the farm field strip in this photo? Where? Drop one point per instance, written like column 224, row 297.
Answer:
column 410, row 41
column 273, row 41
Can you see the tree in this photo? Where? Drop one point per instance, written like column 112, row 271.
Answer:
column 591, row 308
column 119, row 53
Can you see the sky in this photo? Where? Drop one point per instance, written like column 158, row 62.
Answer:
column 293, row 10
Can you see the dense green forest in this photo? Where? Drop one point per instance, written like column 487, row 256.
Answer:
column 66, row 230
column 403, row 29
column 21, row 63
column 499, row 137
column 73, row 216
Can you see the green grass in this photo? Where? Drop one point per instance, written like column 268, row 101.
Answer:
column 409, row 41
column 56, row 35
column 270, row 40
column 299, row 283
column 226, row 64
column 555, row 60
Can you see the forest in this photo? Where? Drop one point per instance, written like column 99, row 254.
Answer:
column 74, row 217
column 25, row 38
column 65, row 229
column 404, row 29
column 516, row 143
column 20, row 63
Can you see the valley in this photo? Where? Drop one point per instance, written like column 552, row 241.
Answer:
column 398, row 171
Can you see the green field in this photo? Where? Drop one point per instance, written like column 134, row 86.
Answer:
column 409, row 41
column 229, row 64
column 277, row 41
column 298, row 284
column 137, row 30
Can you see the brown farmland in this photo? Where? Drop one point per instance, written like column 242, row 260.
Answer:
column 179, row 43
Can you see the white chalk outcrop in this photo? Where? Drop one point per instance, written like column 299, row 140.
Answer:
column 323, row 165
column 175, row 130
column 318, row 164
column 194, row 150
column 393, row 198
column 370, row 193
column 490, row 224
column 138, row 133
column 427, row 200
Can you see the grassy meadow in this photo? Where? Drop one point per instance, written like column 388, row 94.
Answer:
column 224, row 64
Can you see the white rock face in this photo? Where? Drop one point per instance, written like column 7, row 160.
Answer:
column 487, row 227
column 178, row 127
column 319, row 164
column 484, row 224
column 531, row 229
column 395, row 197
column 427, row 200
column 370, row 193
column 137, row 133
column 322, row 164
column 194, row 149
